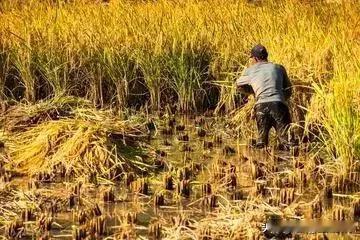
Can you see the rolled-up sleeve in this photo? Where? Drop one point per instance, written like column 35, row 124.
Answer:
column 244, row 79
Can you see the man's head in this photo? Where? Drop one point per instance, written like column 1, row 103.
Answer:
column 259, row 53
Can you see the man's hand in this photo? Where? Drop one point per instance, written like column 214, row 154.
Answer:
column 245, row 89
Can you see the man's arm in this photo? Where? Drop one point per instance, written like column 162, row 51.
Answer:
column 287, row 88
column 243, row 83
column 244, row 79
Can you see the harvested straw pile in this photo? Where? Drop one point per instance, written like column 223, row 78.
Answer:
column 82, row 141
column 241, row 118
column 22, row 115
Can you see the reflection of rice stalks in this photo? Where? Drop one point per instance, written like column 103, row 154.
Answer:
column 229, row 150
column 92, row 222
column 206, row 189
column 15, row 229
column 81, row 217
column 224, row 224
column 347, row 183
column 231, row 180
column 6, row 177
column 140, row 186
column 287, row 180
column 302, row 178
column 201, row 132
column 208, row 145
column 328, row 193
column 209, row 201
column 180, row 220
column 186, row 148
column 159, row 200
column 128, row 218
column 129, row 178
column 258, row 170
column 28, row 215
column 183, row 188
column 155, row 230
column 109, row 195
column 237, row 195
column 338, row 214
column 125, row 234
column 168, row 182
column 195, row 168
column 180, row 128
column 167, row 131
column 260, row 187
column 287, row 195
column 205, row 233
column 218, row 140
column 356, row 210
column 184, row 138
column 159, row 163
column 44, row 223
column 317, row 209
column 184, row 173
column 97, row 226
column 79, row 233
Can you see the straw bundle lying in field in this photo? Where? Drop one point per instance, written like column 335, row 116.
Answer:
column 241, row 118
column 91, row 141
column 23, row 115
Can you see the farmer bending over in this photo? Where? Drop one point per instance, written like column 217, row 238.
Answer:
column 272, row 89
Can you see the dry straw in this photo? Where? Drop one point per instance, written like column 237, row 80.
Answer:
column 82, row 140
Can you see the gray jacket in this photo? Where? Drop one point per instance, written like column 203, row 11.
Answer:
column 269, row 81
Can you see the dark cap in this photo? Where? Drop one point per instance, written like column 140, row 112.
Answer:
column 260, row 52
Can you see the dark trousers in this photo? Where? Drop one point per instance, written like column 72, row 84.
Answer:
column 272, row 114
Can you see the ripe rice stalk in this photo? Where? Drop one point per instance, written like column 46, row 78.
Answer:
column 82, row 59
column 335, row 113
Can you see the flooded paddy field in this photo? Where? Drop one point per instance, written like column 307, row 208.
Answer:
column 93, row 144
column 199, row 181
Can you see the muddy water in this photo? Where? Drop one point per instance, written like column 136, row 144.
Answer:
column 203, row 155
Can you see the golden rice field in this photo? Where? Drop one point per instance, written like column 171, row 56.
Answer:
column 120, row 119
